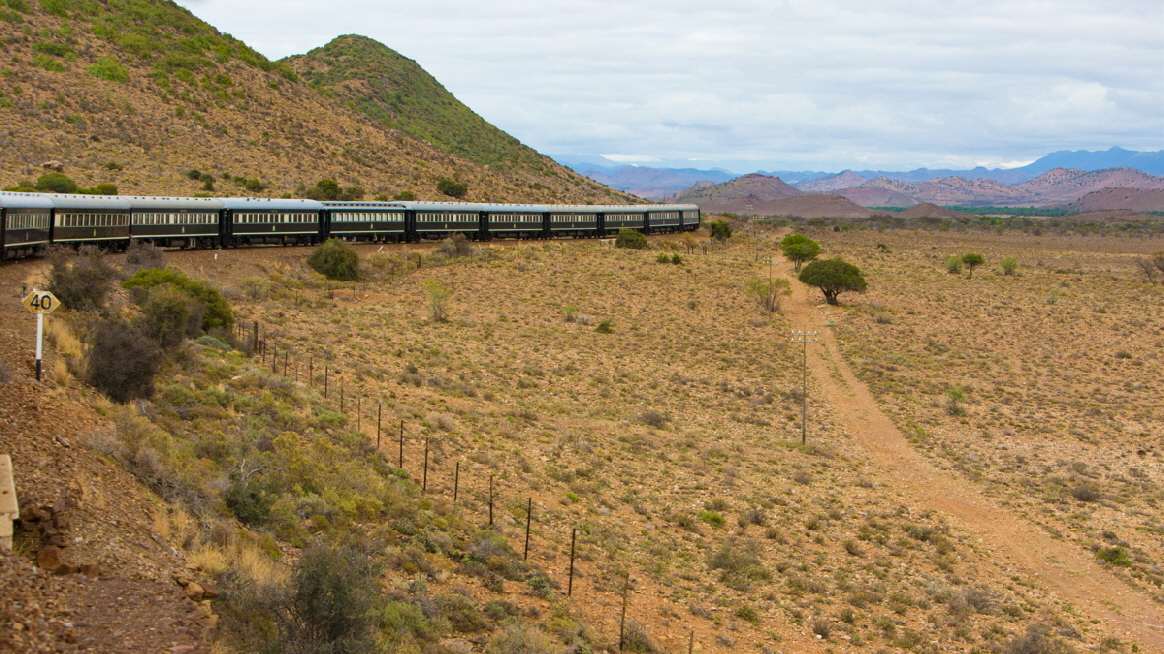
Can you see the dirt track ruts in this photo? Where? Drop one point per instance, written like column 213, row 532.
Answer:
column 1061, row 567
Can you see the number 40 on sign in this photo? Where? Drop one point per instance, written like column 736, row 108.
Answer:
column 40, row 303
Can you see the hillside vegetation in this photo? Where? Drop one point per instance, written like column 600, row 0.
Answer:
column 138, row 93
column 397, row 92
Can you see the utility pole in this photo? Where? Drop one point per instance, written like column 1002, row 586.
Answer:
column 804, row 338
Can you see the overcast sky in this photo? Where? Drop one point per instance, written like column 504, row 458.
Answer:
column 768, row 84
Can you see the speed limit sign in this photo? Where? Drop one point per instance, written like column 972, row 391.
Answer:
column 41, row 302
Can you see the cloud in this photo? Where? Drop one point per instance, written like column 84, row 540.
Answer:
column 827, row 84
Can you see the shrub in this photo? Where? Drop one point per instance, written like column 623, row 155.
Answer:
column 799, row 249
column 740, row 565
column 56, row 183
column 438, row 298
column 767, row 293
column 329, row 189
column 954, row 265
column 404, row 196
column 216, row 313
column 1086, row 493
column 194, row 174
column 1114, row 555
column 833, row 277
column 335, row 260
column 712, row 518
column 168, row 316
column 720, row 230
column 452, row 189
column 662, row 258
column 80, row 281
column 123, row 361
column 1009, row 265
column 676, row 260
column 972, row 261
column 456, row 246
column 630, row 239
column 605, row 327
column 1037, row 640
column 653, row 418
column 108, row 68
column 145, row 256
column 330, row 609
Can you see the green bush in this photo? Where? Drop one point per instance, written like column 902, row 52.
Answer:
column 169, row 316
column 452, row 189
column 330, row 190
column 833, row 277
column 335, row 260
column 954, row 265
column 1009, row 265
column 56, row 183
column 216, row 313
column 404, row 196
column 605, row 327
column 1114, row 555
column 767, row 293
column 108, row 68
column 676, row 259
column 720, row 230
column 330, row 609
column 630, row 239
column 663, row 258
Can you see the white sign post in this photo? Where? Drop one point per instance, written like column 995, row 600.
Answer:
column 40, row 303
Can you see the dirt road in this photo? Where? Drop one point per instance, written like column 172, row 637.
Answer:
column 1062, row 567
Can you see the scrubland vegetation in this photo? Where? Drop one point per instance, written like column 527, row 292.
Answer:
column 667, row 443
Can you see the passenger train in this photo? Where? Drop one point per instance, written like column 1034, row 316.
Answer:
column 30, row 222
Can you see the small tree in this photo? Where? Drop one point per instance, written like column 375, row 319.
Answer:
column 168, row 316
column 330, row 609
column 335, row 260
column 799, row 249
column 438, row 298
column 720, row 230
column 833, row 277
column 972, row 261
column 767, row 294
column 631, row 239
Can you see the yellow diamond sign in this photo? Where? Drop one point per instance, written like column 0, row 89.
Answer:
column 41, row 302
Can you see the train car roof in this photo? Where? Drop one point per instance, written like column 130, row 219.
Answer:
column 140, row 202
column 477, row 207
column 336, row 204
column 10, row 200
column 81, row 201
column 270, row 204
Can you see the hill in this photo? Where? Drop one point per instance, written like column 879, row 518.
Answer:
column 138, row 93
column 398, row 93
column 1120, row 198
column 844, row 179
column 736, row 195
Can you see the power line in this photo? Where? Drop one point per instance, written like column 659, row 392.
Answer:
column 804, row 338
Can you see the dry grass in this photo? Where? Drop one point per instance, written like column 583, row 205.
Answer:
column 688, row 407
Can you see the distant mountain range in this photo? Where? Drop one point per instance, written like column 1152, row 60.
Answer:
column 1108, row 189
column 659, row 183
